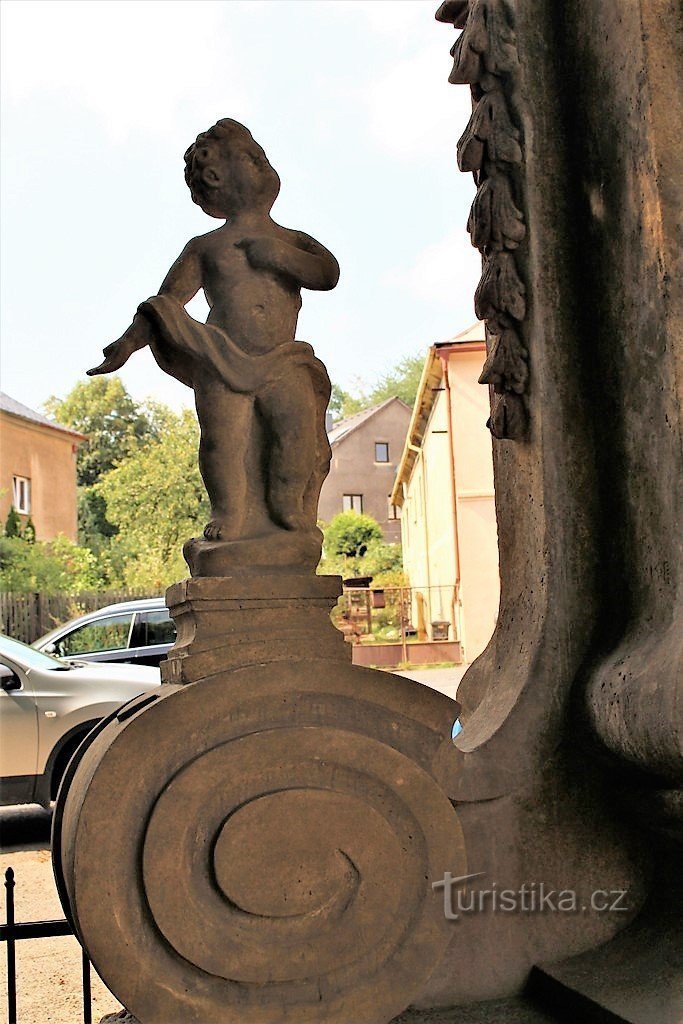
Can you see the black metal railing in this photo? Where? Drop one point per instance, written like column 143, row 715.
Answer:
column 13, row 932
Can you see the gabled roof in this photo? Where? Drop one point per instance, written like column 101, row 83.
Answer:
column 471, row 339
column 14, row 408
column 351, row 423
column 477, row 332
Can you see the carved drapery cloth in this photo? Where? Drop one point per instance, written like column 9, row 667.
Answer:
column 485, row 58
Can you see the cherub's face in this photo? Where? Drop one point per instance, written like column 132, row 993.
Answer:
column 221, row 176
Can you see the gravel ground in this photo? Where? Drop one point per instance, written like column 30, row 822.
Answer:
column 49, row 970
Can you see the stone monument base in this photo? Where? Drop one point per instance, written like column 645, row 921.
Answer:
column 506, row 1011
column 274, row 552
column 272, row 860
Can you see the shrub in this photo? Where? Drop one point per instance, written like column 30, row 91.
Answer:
column 13, row 523
column 48, row 567
column 350, row 533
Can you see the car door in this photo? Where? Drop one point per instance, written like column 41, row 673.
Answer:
column 102, row 639
column 153, row 635
column 18, row 737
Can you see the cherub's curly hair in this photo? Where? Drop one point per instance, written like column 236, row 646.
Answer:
column 234, row 137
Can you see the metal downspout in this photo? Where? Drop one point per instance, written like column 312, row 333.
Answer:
column 454, row 499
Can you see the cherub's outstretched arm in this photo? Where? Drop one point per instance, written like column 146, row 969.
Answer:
column 182, row 282
column 297, row 255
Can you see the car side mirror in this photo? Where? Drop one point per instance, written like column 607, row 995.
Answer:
column 9, row 680
column 50, row 648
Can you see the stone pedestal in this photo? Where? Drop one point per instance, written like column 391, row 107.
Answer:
column 232, row 621
column 273, row 820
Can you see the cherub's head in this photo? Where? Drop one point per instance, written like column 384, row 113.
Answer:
column 228, row 172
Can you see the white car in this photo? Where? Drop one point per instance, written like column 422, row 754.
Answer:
column 47, row 708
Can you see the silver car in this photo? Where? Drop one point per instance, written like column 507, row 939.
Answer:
column 140, row 631
column 47, row 708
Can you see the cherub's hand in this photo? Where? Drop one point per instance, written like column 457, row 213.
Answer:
column 116, row 355
column 263, row 253
column 120, row 351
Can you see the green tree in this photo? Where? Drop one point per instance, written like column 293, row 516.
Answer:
column 114, row 423
column 94, row 529
column 354, row 547
column 13, row 523
column 343, row 403
column 402, row 382
column 350, row 533
column 115, row 426
column 156, row 499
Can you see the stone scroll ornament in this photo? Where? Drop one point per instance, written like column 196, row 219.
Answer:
column 257, row 841
column 485, row 58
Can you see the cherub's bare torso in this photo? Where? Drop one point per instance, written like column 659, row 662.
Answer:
column 258, row 308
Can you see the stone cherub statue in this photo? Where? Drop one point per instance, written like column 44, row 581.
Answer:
column 260, row 395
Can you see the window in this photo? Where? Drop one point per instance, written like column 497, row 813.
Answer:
column 393, row 511
column 156, row 628
column 352, row 503
column 108, row 634
column 21, row 494
column 381, row 451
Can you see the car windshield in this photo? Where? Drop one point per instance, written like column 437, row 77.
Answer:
column 30, row 658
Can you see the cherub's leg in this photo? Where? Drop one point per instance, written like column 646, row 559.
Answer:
column 289, row 410
column 226, row 422
column 323, row 458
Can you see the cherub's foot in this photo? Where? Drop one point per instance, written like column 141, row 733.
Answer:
column 222, row 528
column 294, row 520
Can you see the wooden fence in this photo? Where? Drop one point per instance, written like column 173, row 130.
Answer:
column 28, row 616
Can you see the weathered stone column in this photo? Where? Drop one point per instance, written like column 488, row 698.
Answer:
column 570, row 758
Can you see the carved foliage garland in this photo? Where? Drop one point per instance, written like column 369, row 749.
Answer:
column 485, row 58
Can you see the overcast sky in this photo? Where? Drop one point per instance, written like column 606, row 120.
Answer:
column 349, row 99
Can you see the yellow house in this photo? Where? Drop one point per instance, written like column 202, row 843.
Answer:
column 38, row 470
column 444, row 486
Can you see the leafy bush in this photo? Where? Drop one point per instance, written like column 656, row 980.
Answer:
column 29, row 533
column 389, row 577
column 381, row 558
column 354, row 547
column 350, row 533
column 47, row 567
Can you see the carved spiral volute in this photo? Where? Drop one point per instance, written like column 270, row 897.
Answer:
column 272, row 842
